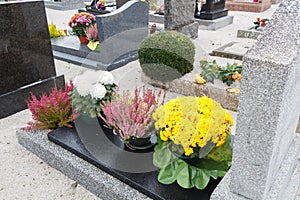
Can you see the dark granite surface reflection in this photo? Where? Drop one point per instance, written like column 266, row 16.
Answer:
column 25, row 49
column 96, row 137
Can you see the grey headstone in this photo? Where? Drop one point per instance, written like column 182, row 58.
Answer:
column 179, row 16
column 122, row 31
column 120, row 3
column 26, row 59
column 266, row 150
column 64, row 4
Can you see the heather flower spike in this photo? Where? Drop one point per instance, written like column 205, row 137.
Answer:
column 130, row 115
column 51, row 111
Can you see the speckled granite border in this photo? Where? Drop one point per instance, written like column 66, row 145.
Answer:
column 288, row 188
column 93, row 179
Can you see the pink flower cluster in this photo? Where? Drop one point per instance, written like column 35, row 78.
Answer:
column 131, row 116
column 80, row 21
column 51, row 111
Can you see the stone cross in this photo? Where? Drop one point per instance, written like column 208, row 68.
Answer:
column 266, row 162
column 179, row 16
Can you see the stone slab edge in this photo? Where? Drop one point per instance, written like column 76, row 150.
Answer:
column 211, row 25
column 63, row 5
column 221, row 52
column 278, row 191
column 92, row 178
column 246, row 33
column 18, row 96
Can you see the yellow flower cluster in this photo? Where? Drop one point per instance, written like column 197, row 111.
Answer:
column 192, row 121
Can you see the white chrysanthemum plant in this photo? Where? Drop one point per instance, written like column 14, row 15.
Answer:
column 90, row 89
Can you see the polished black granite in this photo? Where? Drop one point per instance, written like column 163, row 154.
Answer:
column 69, row 49
column 98, row 146
column 15, row 101
column 25, row 49
column 26, row 59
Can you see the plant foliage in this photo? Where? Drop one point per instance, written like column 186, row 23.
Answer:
column 227, row 74
column 172, row 168
column 166, row 55
column 51, row 111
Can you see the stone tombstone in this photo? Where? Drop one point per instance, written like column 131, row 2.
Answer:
column 120, row 3
column 179, row 16
column 266, row 151
column 64, row 4
column 26, row 59
column 121, row 32
column 213, row 9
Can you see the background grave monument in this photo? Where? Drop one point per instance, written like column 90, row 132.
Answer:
column 260, row 6
column 122, row 31
column 120, row 34
column 212, row 9
column 179, row 17
column 64, row 4
column 266, row 162
column 26, row 59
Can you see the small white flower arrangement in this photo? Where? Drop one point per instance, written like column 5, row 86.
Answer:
column 90, row 89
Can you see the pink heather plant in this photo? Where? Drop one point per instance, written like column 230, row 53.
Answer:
column 131, row 116
column 53, row 111
column 92, row 32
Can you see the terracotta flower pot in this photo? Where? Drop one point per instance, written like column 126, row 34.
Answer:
column 83, row 39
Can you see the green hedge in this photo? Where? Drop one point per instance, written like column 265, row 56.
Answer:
column 166, row 55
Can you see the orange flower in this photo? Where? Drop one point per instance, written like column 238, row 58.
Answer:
column 236, row 76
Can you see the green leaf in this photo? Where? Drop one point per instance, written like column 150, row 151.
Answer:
column 162, row 156
column 201, row 180
column 169, row 174
column 183, row 177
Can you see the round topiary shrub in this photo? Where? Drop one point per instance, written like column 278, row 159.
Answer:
column 166, row 55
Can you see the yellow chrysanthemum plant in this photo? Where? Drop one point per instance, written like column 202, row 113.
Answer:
column 194, row 141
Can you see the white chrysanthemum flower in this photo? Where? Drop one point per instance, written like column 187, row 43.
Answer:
column 91, row 76
column 106, row 78
column 99, row 91
column 84, row 87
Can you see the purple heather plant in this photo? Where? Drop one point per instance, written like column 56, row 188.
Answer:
column 51, row 111
column 130, row 116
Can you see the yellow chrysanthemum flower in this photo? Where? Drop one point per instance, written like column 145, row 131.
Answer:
column 192, row 122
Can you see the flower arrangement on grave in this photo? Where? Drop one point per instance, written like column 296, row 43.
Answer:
column 51, row 111
column 54, row 32
column 194, row 141
column 100, row 5
column 158, row 9
column 211, row 71
column 130, row 115
column 80, row 21
column 260, row 23
column 92, row 35
column 90, row 89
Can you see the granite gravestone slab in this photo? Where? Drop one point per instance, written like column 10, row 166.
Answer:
column 212, row 9
column 26, row 59
column 120, row 3
column 179, row 16
column 122, row 31
column 64, row 4
column 266, row 151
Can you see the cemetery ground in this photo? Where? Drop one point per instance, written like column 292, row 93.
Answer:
column 25, row 176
